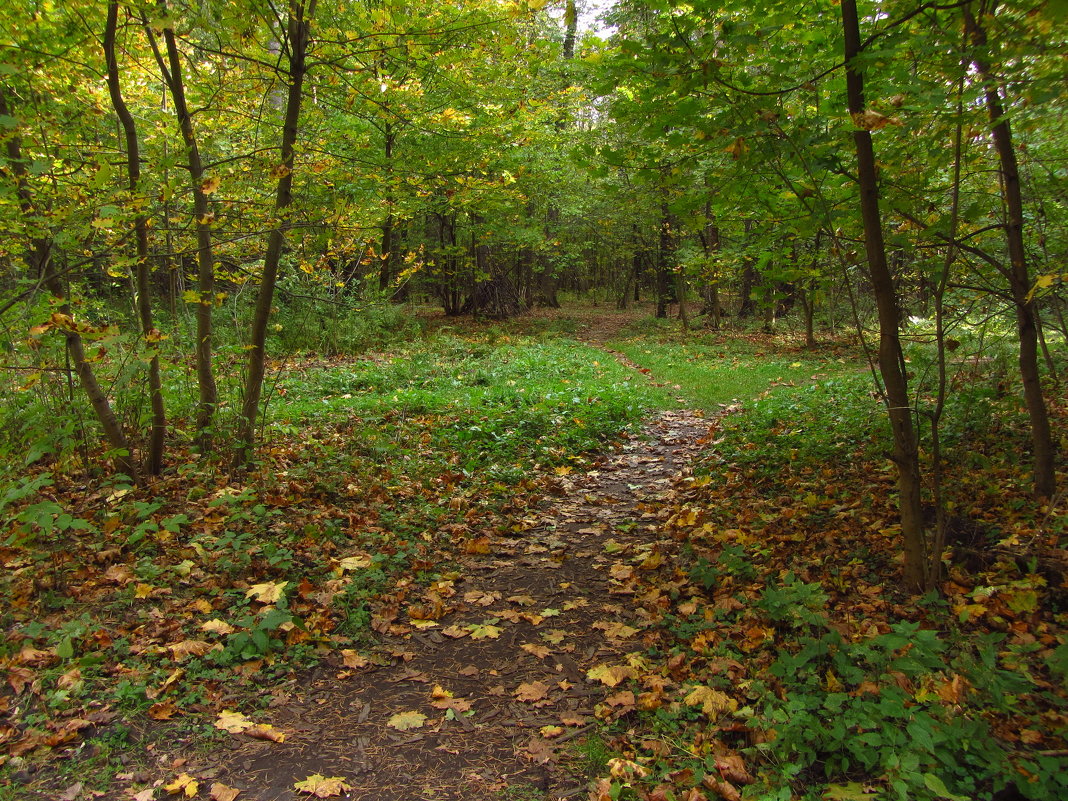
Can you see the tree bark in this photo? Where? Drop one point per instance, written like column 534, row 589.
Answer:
column 891, row 358
column 299, row 24
column 1018, row 273
column 171, row 70
column 143, row 292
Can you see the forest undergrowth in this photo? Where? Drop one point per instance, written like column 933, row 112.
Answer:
column 779, row 657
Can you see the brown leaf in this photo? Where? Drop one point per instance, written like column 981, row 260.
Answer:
column 540, row 651
column 19, row 677
column 187, row 648
column 220, row 792
column 732, row 769
column 725, row 790
column 352, row 659
column 531, row 691
column 539, row 750
column 164, row 710
column 265, row 731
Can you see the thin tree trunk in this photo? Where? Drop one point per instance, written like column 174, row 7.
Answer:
column 38, row 258
column 143, row 299
column 1018, row 273
column 891, row 358
column 300, row 17
column 171, row 70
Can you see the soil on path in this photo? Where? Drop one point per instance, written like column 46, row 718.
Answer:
column 502, row 679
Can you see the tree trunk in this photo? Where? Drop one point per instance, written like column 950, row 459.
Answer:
column 891, row 358
column 143, row 299
column 38, row 258
column 298, row 29
column 1018, row 273
column 171, row 70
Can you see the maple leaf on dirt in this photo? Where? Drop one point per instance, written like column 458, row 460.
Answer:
column 221, row 792
column 485, row 631
column 539, row 750
column 233, row 722
column 615, row 629
column 352, row 659
column 540, row 651
column 184, row 784
column 268, row 592
column 403, row 721
column 265, row 731
column 321, row 786
column 531, row 691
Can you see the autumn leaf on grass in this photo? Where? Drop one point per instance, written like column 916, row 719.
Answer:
column 187, row 648
column 732, row 768
column 357, row 562
column 615, row 629
column 531, row 691
column 485, row 630
column 403, row 721
column 725, row 790
column 321, row 786
column 165, row 710
column 610, row 675
column 712, row 702
column 268, row 592
column 183, row 785
column 217, row 626
column 220, row 792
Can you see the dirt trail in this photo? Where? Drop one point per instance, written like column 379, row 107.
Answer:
column 540, row 609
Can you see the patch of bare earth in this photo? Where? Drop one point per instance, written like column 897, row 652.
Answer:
column 502, row 683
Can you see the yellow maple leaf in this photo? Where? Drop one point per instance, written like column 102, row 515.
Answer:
column 217, row 626
column 712, row 702
column 268, row 592
column 407, row 720
column 184, row 784
column 322, row 786
column 233, row 722
column 610, row 675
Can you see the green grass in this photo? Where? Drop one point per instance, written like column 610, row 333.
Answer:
column 712, row 375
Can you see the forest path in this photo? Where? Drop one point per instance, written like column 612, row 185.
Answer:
column 502, row 677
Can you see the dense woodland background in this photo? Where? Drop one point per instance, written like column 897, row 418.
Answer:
column 197, row 198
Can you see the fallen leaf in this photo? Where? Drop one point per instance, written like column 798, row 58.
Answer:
column 220, row 792
column 184, row 784
column 548, row 732
column 484, row 631
column 265, row 731
column 540, row 651
column 531, row 691
column 610, row 675
column 615, row 629
column 712, row 702
column 217, row 626
column 407, row 720
column 164, row 710
column 357, row 562
column 187, row 648
column 71, row 792
column 233, row 722
column 268, row 592
column 322, row 787
column 352, row 659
